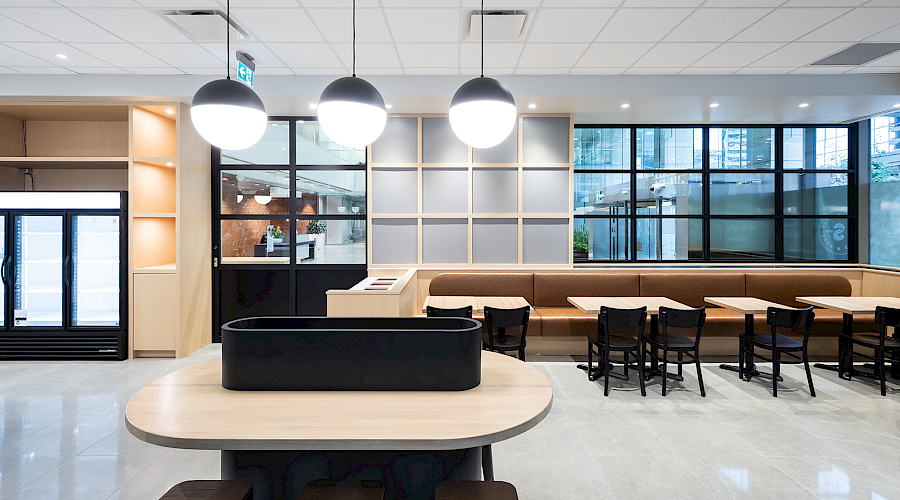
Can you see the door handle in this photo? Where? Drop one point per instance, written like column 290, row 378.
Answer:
column 66, row 263
column 3, row 270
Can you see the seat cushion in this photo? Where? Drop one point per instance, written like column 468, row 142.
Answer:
column 690, row 289
column 564, row 321
column 873, row 340
column 484, row 285
column 827, row 323
column 765, row 339
column 552, row 289
column 675, row 340
column 785, row 288
column 206, row 489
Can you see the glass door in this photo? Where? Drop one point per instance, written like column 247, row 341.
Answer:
column 4, row 269
column 95, row 270
column 38, row 288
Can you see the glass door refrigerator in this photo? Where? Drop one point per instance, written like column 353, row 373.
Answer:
column 63, row 273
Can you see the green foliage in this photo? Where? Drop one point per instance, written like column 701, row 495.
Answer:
column 315, row 227
column 580, row 241
column 881, row 172
column 278, row 233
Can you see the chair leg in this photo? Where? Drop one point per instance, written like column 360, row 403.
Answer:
column 699, row 374
column 590, row 360
column 605, row 361
column 812, row 390
column 741, row 348
column 626, row 364
column 881, row 368
column 641, row 371
column 522, row 353
column 776, row 369
column 487, row 463
column 665, row 371
column 680, row 359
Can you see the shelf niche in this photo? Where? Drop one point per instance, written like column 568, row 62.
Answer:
column 63, row 130
column 154, row 132
column 154, row 191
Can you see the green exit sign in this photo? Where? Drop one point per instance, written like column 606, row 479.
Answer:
column 245, row 68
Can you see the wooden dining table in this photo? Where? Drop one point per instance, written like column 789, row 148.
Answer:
column 477, row 303
column 849, row 306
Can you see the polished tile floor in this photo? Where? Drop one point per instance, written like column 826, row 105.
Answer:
column 63, row 437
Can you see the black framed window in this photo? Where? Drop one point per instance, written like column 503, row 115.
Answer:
column 715, row 193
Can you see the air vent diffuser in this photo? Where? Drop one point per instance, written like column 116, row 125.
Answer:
column 858, row 54
column 498, row 25
column 206, row 25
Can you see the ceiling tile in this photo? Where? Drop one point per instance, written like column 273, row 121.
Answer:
column 100, row 71
column 336, row 25
column 737, row 54
column 28, row 3
column 763, row 71
column 331, row 3
column 824, row 3
column 597, row 71
column 313, row 55
column 875, row 69
column 309, row 70
column 42, row 70
column 542, row 71
column 550, row 4
column 429, row 55
column 496, row 54
column 220, row 72
column 432, row 71
column 487, row 71
column 523, row 4
column 786, row 25
column 662, row 3
column 743, row 3
column 551, row 55
column 74, row 4
column 709, row 71
column 715, row 25
column 63, row 24
column 882, row 3
column 419, row 3
column 263, row 3
column 888, row 60
column 820, row 70
column 181, row 54
column 375, row 55
column 154, row 71
column 568, row 25
column 424, row 25
column 671, row 55
column 13, row 57
column 613, row 55
column 888, row 35
column 266, row 70
column 134, row 25
column 181, row 4
column 48, row 51
column 856, row 25
column 379, row 71
column 262, row 56
column 798, row 54
column 120, row 54
column 11, row 31
column 641, row 25
column 8, row 71
column 652, row 71
column 278, row 25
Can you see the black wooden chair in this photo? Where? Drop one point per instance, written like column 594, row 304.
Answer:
column 780, row 344
column 618, row 330
column 454, row 489
column 438, row 312
column 348, row 489
column 671, row 323
column 210, row 490
column 882, row 344
column 502, row 320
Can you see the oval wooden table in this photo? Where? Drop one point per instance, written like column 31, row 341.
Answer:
column 281, row 440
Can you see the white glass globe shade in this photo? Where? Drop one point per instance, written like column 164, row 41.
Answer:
column 483, row 124
column 351, row 124
column 229, row 127
column 262, row 199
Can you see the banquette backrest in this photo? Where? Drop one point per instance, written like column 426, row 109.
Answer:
column 484, row 285
column 690, row 289
column 552, row 289
column 784, row 288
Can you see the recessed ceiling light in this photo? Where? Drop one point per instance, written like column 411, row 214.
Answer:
column 62, row 56
column 532, row 106
column 313, row 106
column 388, row 106
column 896, row 106
column 626, row 105
column 168, row 164
column 170, row 111
column 803, row 105
column 274, row 124
column 299, row 121
column 714, row 105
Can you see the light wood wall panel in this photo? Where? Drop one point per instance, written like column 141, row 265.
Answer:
column 10, row 136
column 76, row 138
column 154, row 135
column 67, row 179
column 154, row 188
column 881, row 283
column 155, row 321
column 153, row 241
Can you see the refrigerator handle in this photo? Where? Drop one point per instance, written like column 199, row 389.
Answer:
column 4, row 270
column 66, row 268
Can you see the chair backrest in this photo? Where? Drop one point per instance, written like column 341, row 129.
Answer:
column 688, row 319
column 627, row 321
column 885, row 317
column 438, row 312
column 790, row 318
column 503, row 319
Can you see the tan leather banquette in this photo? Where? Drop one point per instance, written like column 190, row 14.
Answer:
column 554, row 316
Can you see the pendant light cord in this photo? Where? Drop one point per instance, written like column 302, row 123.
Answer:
column 227, row 39
column 354, row 38
column 482, row 38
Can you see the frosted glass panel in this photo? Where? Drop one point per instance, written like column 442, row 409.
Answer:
column 495, row 241
column 545, row 140
column 394, row 190
column 546, row 241
column 394, row 241
column 505, row 152
column 96, row 270
column 398, row 143
column 495, row 191
column 545, row 191
column 445, row 191
column 440, row 144
column 38, row 288
column 445, row 241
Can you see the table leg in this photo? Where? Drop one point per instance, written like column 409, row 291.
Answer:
column 749, row 362
column 413, row 475
column 844, row 367
column 655, row 366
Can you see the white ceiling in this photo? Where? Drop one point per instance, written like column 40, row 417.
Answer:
column 430, row 37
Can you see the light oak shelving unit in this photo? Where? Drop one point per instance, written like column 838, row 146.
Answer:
column 152, row 151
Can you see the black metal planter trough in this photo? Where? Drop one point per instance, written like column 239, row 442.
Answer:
column 351, row 354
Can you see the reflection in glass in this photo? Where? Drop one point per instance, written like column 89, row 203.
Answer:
column 603, row 148
column 816, row 148
column 669, row 148
column 815, row 194
column 670, row 194
column 816, row 239
column 256, row 241
column 272, row 149
column 607, row 194
column 254, row 191
column 336, row 241
column 741, row 239
column 333, row 192
column 314, row 147
column 747, row 148
column 742, row 194
column 38, row 270
column 884, row 191
column 601, row 239
column 669, row 239
column 95, row 276
column 2, row 261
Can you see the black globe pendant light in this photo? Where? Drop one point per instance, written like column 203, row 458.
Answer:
column 228, row 114
column 351, row 110
column 483, row 110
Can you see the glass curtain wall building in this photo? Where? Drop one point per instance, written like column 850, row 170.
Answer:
column 704, row 194
column 884, row 191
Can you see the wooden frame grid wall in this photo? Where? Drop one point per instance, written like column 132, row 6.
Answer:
column 470, row 167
